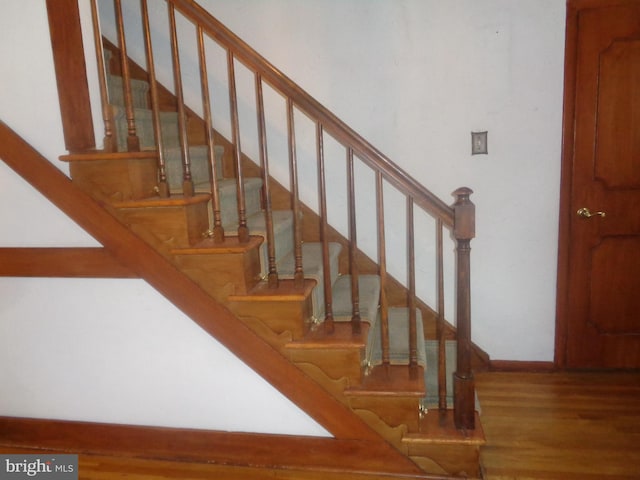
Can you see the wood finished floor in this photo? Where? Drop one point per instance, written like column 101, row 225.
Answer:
column 564, row 426
column 559, row 426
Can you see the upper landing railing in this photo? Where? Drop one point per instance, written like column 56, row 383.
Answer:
column 459, row 219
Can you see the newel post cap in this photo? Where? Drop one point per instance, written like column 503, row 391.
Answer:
column 464, row 211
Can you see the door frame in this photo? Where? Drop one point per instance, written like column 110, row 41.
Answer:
column 565, row 215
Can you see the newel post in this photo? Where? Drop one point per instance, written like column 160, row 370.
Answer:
column 463, row 382
column 71, row 75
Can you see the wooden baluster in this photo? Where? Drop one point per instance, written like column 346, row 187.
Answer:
column 353, row 248
column 411, row 271
column 218, row 230
column 163, row 185
column 243, row 230
column 264, row 166
column 440, row 330
column 464, row 385
column 133, row 142
column 187, row 182
column 322, row 192
column 298, row 275
column 109, row 142
column 382, row 265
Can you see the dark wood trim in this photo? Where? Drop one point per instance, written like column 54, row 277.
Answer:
column 311, row 454
column 71, row 76
column 589, row 4
column 61, row 262
column 521, row 366
column 565, row 185
column 211, row 316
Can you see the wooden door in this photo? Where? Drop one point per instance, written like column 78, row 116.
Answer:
column 599, row 292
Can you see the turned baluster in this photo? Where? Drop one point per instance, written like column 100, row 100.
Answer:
column 187, row 183
column 440, row 327
column 217, row 230
column 382, row 271
column 298, row 275
column 109, row 142
column 243, row 229
column 163, row 185
column 133, row 142
column 324, row 240
column 272, row 277
column 411, row 271
column 353, row 247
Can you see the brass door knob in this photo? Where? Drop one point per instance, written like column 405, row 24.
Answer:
column 584, row 212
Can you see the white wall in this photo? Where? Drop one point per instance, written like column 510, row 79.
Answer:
column 101, row 350
column 415, row 77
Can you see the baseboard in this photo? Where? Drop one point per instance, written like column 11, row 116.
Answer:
column 521, row 366
column 269, row 452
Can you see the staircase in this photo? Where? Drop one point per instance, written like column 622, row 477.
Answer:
column 300, row 286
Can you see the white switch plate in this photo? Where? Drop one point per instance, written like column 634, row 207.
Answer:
column 478, row 143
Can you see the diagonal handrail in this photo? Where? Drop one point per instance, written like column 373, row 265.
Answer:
column 314, row 109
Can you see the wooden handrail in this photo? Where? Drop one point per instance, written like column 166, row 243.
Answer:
column 305, row 102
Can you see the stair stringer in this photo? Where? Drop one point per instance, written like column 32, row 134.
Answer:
column 134, row 253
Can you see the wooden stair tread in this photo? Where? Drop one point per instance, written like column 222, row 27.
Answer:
column 438, row 427
column 173, row 201
column 391, row 381
column 286, row 290
column 96, row 155
column 231, row 244
column 341, row 337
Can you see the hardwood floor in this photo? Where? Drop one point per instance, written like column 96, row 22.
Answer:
column 547, row 426
column 564, row 426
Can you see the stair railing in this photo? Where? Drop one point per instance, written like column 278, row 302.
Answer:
column 459, row 219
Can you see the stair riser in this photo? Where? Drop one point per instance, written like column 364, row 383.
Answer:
column 394, row 410
column 461, row 461
column 229, row 201
column 174, row 226
column 280, row 316
column 235, row 273
column 126, row 179
column 144, row 128
column 139, row 92
column 335, row 363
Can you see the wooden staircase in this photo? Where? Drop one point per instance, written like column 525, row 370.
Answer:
column 355, row 336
